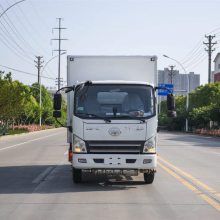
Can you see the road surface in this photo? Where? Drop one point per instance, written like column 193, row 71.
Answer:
column 36, row 184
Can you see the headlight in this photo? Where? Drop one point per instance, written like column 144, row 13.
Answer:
column 150, row 145
column 79, row 145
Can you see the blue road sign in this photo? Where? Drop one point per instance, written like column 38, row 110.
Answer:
column 164, row 92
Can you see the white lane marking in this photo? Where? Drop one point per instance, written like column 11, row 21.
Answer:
column 42, row 175
column 36, row 139
column 47, row 173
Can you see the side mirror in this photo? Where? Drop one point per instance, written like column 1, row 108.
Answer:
column 57, row 100
column 171, row 106
column 57, row 114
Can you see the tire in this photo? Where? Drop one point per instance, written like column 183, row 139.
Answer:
column 149, row 177
column 77, row 175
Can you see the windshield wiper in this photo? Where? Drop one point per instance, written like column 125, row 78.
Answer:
column 94, row 115
column 130, row 116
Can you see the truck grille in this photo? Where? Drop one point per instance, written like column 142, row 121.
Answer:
column 115, row 147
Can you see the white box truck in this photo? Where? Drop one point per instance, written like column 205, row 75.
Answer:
column 112, row 115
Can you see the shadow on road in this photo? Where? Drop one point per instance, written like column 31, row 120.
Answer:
column 30, row 179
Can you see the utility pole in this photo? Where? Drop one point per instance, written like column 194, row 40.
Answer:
column 59, row 49
column 171, row 73
column 38, row 62
column 209, row 49
column 61, row 81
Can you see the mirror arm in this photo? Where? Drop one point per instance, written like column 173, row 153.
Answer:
column 60, row 123
column 69, row 127
column 69, row 89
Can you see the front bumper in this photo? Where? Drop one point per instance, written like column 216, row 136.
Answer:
column 115, row 161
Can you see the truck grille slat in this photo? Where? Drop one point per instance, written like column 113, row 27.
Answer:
column 115, row 147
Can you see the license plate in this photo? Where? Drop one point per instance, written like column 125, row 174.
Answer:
column 113, row 161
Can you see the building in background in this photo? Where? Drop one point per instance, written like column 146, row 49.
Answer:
column 217, row 77
column 217, row 68
column 179, row 80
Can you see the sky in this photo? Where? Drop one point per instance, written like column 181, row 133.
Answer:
column 176, row 28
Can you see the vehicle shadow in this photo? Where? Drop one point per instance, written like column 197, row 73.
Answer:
column 58, row 179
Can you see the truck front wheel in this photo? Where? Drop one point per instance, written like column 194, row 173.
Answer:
column 77, row 175
column 149, row 177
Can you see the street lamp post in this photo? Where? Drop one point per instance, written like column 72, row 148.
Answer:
column 40, row 120
column 10, row 7
column 187, row 90
column 40, row 101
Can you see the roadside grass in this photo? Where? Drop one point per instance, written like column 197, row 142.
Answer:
column 19, row 129
column 16, row 131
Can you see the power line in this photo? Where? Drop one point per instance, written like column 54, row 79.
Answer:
column 217, row 33
column 14, row 50
column 35, row 30
column 21, row 71
column 11, row 38
column 198, row 47
column 27, row 27
column 38, row 15
column 190, row 54
column 195, row 60
column 48, row 73
column 24, row 28
column 16, row 32
column 196, row 53
column 198, row 62
column 216, row 29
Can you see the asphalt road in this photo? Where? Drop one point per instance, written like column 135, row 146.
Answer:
column 35, row 182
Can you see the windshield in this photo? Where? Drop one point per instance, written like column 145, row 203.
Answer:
column 114, row 101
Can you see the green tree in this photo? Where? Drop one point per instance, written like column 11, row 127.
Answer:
column 47, row 105
column 204, row 106
column 177, row 123
column 30, row 112
column 46, row 102
column 205, row 95
column 14, row 98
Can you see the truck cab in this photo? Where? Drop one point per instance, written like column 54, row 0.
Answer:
column 114, row 129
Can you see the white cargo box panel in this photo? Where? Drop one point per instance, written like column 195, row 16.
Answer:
column 111, row 68
column 123, row 68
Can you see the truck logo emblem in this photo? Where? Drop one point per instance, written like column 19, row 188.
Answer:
column 139, row 128
column 114, row 131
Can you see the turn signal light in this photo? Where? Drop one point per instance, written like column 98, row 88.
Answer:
column 70, row 155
